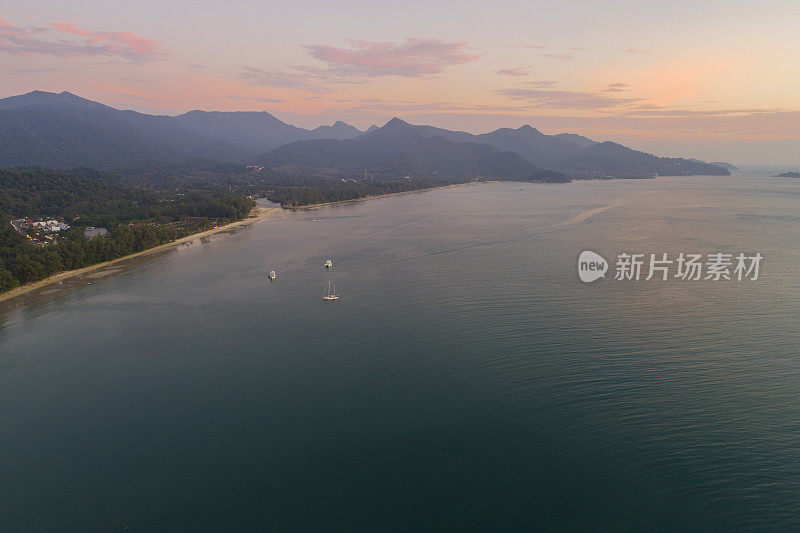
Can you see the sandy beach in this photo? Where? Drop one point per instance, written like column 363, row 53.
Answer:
column 259, row 213
column 101, row 269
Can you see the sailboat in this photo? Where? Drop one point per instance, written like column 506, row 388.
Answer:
column 271, row 274
column 330, row 295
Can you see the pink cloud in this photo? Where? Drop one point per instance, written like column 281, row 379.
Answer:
column 548, row 99
column 33, row 41
column 513, row 72
column 415, row 58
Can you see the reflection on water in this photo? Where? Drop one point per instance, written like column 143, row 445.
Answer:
column 466, row 377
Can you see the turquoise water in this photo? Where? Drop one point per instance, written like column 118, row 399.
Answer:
column 465, row 379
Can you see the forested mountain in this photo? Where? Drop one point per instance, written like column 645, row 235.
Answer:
column 575, row 155
column 339, row 130
column 258, row 131
column 400, row 149
column 66, row 131
column 255, row 131
column 613, row 159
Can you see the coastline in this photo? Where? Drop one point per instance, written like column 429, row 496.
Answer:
column 378, row 196
column 258, row 214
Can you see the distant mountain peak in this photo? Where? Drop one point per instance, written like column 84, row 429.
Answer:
column 397, row 123
column 48, row 100
column 527, row 128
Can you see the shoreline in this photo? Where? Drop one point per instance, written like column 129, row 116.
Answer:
column 378, row 196
column 258, row 214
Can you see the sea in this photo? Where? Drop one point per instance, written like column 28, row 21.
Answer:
column 466, row 378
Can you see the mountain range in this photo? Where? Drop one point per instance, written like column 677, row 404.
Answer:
column 400, row 149
column 62, row 130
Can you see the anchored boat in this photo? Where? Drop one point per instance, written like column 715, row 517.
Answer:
column 330, row 295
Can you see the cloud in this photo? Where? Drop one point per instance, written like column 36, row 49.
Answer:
column 662, row 112
column 22, row 71
column 292, row 77
column 616, row 87
column 513, row 72
column 558, row 56
column 565, row 99
column 638, row 51
column 65, row 40
column 415, row 58
column 543, row 84
column 578, row 48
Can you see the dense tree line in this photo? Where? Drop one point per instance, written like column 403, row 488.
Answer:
column 160, row 196
column 87, row 197
column 21, row 262
column 102, row 199
column 294, row 192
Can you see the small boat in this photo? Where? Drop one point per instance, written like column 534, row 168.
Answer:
column 271, row 274
column 330, row 295
column 328, row 263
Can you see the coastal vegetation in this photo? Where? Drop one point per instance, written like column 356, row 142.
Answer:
column 137, row 218
column 295, row 192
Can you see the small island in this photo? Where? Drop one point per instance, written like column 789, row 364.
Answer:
column 788, row 175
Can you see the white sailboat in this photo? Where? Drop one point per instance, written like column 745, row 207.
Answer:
column 330, row 295
column 271, row 274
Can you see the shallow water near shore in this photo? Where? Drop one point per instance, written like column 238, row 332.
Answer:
column 466, row 377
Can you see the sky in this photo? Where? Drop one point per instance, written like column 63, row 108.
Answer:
column 712, row 79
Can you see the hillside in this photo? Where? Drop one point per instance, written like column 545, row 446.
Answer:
column 612, row 159
column 62, row 130
column 66, row 131
column 400, row 149
column 258, row 131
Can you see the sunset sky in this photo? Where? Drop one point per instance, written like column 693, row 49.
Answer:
column 709, row 79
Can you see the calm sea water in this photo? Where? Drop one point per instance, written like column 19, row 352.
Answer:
column 465, row 379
